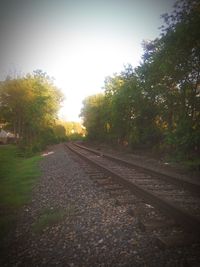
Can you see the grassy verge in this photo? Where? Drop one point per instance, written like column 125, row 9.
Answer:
column 17, row 177
column 48, row 218
column 51, row 216
column 193, row 164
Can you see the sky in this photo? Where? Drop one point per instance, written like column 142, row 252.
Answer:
column 78, row 42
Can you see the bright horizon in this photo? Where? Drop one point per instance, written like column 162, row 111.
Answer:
column 78, row 43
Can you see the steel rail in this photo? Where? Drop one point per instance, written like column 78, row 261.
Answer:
column 192, row 186
column 188, row 221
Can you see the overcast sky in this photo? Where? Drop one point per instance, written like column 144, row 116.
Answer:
column 78, row 42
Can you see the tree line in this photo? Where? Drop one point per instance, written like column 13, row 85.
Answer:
column 28, row 108
column 156, row 104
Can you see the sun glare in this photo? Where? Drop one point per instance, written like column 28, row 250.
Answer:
column 45, row 154
column 83, row 68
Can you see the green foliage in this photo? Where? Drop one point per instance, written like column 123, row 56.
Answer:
column 29, row 105
column 76, row 137
column 158, row 103
column 59, row 131
column 17, row 177
column 73, row 130
column 50, row 217
column 94, row 114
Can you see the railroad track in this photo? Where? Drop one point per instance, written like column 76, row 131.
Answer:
column 178, row 199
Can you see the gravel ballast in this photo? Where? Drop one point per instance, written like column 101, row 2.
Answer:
column 88, row 228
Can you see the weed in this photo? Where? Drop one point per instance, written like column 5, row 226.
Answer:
column 17, row 177
column 51, row 216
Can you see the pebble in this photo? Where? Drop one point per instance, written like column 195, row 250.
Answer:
column 93, row 232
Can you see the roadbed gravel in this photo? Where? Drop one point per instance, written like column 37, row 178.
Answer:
column 93, row 231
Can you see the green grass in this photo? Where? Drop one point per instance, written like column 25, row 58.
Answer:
column 193, row 164
column 50, row 216
column 189, row 164
column 17, row 177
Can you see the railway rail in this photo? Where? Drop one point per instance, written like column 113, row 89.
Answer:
column 178, row 199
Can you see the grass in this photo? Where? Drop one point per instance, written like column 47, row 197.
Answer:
column 17, row 177
column 50, row 217
column 193, row 164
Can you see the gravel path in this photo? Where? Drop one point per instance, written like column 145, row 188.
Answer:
column 91, row 230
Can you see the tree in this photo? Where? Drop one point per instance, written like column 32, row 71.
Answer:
column 29, row 106
column 159, row 101
column 171, row 70
column 93, row 114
